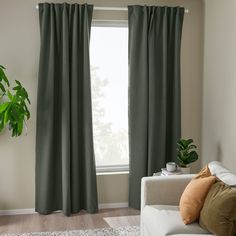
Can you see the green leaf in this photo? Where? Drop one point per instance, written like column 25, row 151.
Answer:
column 18, row 82
column 183, row 143
column 192, row 146
column 193, row 156
column 180, row 146
column 6, row 115
column 28, row 100
column 19, row 127
column 3, row 107
column 14, row 129
column 1, row 122
column 14, row 111
column 3, row 77
column 189, row 141
column 2, row 67
column 2, row 87
column 16, row 88
column 9, row 95
column 27, row 112
column 6, row 81
column 185, row 152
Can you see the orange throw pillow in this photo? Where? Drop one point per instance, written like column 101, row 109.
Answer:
column 193, row 197
column 205, row 172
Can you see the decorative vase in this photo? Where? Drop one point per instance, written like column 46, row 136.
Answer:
column 185, row 170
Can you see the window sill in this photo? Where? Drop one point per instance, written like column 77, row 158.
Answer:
column 112, row 168
column 113, row 173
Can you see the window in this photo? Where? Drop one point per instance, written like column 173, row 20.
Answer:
column 109, row 82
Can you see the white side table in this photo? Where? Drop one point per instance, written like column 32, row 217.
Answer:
column 157, row 174
column 160, row 174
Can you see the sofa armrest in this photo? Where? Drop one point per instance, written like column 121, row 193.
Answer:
column 163, row 190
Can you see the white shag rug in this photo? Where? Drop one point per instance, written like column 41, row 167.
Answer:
column 121, row 231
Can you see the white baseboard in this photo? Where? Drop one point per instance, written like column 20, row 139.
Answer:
column 113, row 205
column 32, row 210
column 17, row 212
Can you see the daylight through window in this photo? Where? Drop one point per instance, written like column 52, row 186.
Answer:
column 109, row 81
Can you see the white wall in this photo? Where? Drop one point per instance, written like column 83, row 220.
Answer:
column 219, row 83
column 19, row 52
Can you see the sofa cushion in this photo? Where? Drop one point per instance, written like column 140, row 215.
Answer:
column 164, row 220
column 190, row 234
column 220, row 205
column 193, row 197
column 205, row 172
column 216, row 168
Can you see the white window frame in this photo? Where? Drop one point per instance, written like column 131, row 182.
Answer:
column 111, row 23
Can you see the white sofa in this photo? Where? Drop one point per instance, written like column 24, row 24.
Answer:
column 160, row 215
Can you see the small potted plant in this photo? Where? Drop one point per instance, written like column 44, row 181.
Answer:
column 186, row 154
column 13, row 105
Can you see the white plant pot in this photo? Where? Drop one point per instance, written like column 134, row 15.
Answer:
column 185, row 170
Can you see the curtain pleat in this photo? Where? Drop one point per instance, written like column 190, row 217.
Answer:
column 154, row 91
column 65, row 164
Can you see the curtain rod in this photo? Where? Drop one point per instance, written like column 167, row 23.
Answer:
column 120, row 9
column 114, row 9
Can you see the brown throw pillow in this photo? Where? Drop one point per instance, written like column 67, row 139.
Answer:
column 193, row 197
column 218, row 214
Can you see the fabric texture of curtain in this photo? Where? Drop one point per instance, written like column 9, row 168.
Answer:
column 154, row 91
column 65, row 164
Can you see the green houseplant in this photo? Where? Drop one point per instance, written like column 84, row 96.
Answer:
column 186, row 152
column 13, row 105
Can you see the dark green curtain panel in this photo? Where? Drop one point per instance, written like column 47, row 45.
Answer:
column 154, row 91
column 65, row 164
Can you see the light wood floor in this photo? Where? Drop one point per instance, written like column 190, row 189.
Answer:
column 58, row 222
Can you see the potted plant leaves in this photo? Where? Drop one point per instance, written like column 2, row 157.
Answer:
column 13, row 105
column 186, row 154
